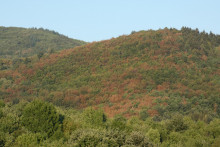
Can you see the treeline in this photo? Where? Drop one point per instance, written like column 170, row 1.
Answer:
column 39, row 123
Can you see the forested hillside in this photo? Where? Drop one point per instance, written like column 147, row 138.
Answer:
column 148, row 73
column 21, row 42
column 149, row 88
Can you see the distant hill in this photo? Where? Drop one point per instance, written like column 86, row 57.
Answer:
column 155, row 73
column 22, row 42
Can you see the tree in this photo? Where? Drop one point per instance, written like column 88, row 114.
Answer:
column 144, row 114
column 2, row 139
column 2, row 104
column 177, row 124
column 29, row 139
column 216, row 142
column 1, row 113
column 39, row 116
column 214, row 128
column 95, row 118
column 119, row 123
column 137, row 139
column 154, row 136
column 9, row 123
column 27, row 60
column 40, row 54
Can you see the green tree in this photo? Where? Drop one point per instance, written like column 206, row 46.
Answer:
column 214, row 128
column 39, row 116
column 174, row 138
column 154, row 136
column 2, row 104
column 1, row 113
column 94, row 118
column 137, row 139
column 144, row 114
column 9, row 123
column 88, row 137
column 40, row 54
column 216, row 142
column 2, row 139
column 29, row 139
column 119, row 123
column 177, row 124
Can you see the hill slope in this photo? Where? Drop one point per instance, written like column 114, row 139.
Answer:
column 154, row 73
column 21, row 42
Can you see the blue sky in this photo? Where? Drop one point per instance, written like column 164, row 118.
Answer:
column 94, row 20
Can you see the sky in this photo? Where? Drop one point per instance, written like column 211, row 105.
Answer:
column 95, row 20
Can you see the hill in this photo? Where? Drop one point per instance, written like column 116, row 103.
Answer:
column 22, row 42
column 148, row 73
